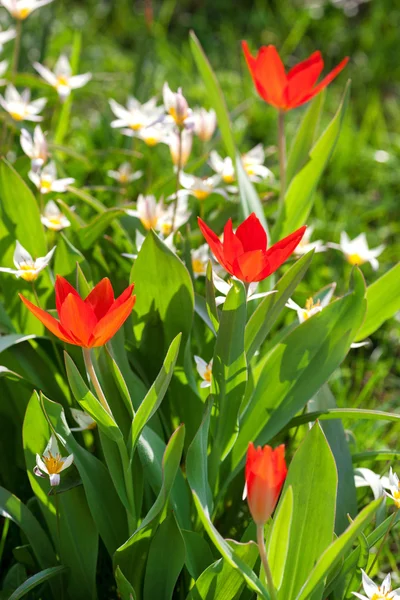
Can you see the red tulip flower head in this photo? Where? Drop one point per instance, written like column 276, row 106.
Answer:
column 287, row 91
column 90, row 322
column 265, row 475
column 244, row 254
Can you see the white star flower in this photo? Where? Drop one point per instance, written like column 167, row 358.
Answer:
column 135, row 116
column 61, row 79
column 366, row 478
column 21, row 9
column 180, row 146
column 204, row 369
column 312, row 308
column 6, row 36
column 200, row 187
column 224, row 287
column 177, row 108
column 357, row 251
column 306, row 245
column 84, row 420
column 25, row 266
column 394, row 487
column 125, row 174
column 155, row 215
column 35, row 147
column 52, row 217
column 377, row 592
column 51, row 463
column 200, row 257
column 205, row 122
column 46, row 181
column 20, row 107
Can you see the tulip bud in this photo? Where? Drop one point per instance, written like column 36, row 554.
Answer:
column 265, row 475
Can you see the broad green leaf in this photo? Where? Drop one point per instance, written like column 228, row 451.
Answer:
column 196, row 460
column 300, row 194
column 90, row 233
column 89, row 402
column 66, row 257
column 131, row 557
column 313, row 478
column 19, row 212
column 35, row 580
column 305, row 137
column 383, row 301
column 229, row 372
column 348, row 413
column 108, row 514
column 220, row 581
column 298, row 366
column 198, row 553
column 278, row 539
column 125, row 589
column 155, row 395
column 210, row 298
column 269, row 309
column 337, row 549
column 165, row 560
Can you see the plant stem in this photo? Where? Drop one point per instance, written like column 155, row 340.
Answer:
column 282, row 155
column 178, row 172
column 4, row 536
column 57, row 506
column 87, row 357
column 264, row 560
column 17, row 48
column 127, row 470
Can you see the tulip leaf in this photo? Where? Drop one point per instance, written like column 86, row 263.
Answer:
column 279, row 536
column 229, row 373
column 90, row 233
column 220, row 581
column 131, row 557
column 269, row 309
column 38, row 579
column 249, row 199
column 313, row 478
column 305, row 137
column 210, row 298
column 300, row 194
column 196, row 460
column 198, row 553
column 108, row 514
column 329, row 414
column 298, row 366
column 155, row 395
column 165, row 560
column 337, row 549
column 125, row 590
column 383, row 301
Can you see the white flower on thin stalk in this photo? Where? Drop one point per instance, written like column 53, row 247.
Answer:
column 85, row 421
column 306, row 245
column 51, row 463
column 155, row 215
column 180, row 146
column 200, row 187
column 125, row 174
column 26, row 267
column 135, row 116
column 200, row 257
column 46, row 181
column 150, row 135
column 252, row 163
column 366, row 478
column 222, row 166
column 224, row 287
column 61, row 79
column 139, row 239
column 177, row 108
column 53, row 218
column 394, row 488
column 20, row 107
column 312, row 308
column 35, row 147
column 205, row 122
column 357, row 251
column 377, row 592
column 204, row 369
column 21, row 9
column 6, row 36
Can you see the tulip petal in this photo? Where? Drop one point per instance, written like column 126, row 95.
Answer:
column 252, row 234
column 78, row 319
column 268, row 73
column 232, row 246
column 108, row 326
column 122, row 297
column 302, row 78
column 249, row 265
column 326, row 81
column 280, row 252
column 48, row 321
column 62, row 289
column 101, row 298
column 214, row 242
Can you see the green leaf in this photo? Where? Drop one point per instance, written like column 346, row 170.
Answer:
column 383, row 301
column 300, row 194
column 198, row 553
column 305, row 137
column 278, row 539
column 19, row 212
column 229, row 372
column 313, row 477
column 35, row 580
column 298, row 366
column 131, row 557
column 347, row 413
column 155, row 395
column 108, row 514
column 89, row 402
column 90, row 233
column 125, row 589
column 220, row 581
column 196, row 460
column 249, row 199
column 337, row 549
column 66, row 257
column 165, row 561
column 269, row 309
column 210, row 298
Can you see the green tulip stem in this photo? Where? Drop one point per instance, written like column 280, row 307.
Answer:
column 87, row 357
column 264, row 561
column 282, row 155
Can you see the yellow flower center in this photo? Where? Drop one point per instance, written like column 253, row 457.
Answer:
column 17, row 116
column 249, row 169
column 123, row 178
column 53, row 464
column 136, row 126
column 149, row 223
column 45, row 185
column 228, row 178
column 62, row 80
column 150, row 141
column 310, row 304
column 198, row 267
column 29, row 272
column 396, row 496
column 179, row 119
column 207, row 373
column 380, row 596
column 355, row 259
column 201, row 194
column 22, row 13
column 166, row 228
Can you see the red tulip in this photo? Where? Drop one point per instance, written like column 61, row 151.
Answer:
column 90, row 322
column 287, row 91
column 265, row 475
column 244, row 254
